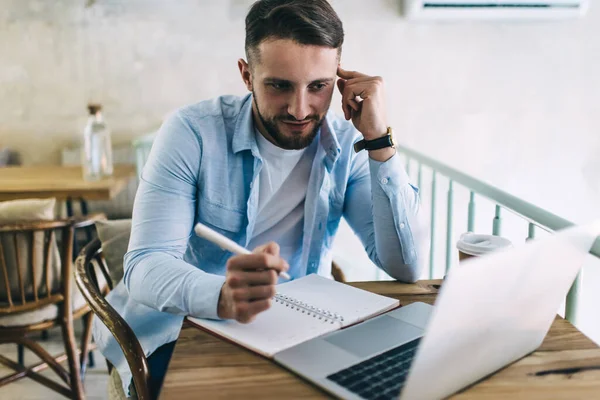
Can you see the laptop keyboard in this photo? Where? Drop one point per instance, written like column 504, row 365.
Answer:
column 379, row 377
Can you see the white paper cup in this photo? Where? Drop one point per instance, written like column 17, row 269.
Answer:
column 476, row 245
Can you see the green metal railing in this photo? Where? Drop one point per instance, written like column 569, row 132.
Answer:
column 535, row 216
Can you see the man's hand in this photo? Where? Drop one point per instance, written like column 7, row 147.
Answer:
column 363, row 101
column 250, row 283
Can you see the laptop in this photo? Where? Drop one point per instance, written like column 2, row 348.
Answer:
column 490, row 312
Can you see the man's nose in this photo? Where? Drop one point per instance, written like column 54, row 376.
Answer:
column 298, row 106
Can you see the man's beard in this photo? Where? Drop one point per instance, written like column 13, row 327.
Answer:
column 288, row 142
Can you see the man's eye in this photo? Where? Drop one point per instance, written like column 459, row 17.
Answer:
column 318, row 86
column 278, row 86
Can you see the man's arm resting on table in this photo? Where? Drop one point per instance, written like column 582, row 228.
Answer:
column 383, row 209
column 392, row 232
column 165, row 283
column 182, row 289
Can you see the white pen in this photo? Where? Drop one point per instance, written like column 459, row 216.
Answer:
column 225, row 243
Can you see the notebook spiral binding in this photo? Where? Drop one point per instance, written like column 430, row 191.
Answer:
column 325, row 315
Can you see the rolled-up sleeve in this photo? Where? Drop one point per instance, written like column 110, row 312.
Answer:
column 156, row 274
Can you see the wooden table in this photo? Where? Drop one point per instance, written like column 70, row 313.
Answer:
column 61, row 182
column 206, row 367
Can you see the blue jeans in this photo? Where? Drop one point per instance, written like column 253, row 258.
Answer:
column 157, row 364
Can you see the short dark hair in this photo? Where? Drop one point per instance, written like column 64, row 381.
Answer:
column 307, row 22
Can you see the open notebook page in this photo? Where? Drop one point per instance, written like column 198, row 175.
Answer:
column 288, row 323
column 353, row 304
column 273, row 330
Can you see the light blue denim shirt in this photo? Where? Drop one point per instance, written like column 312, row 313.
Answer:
column 204, row 167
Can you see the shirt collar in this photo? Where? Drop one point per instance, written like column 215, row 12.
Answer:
column 243, row 136
column 244, row 139
column 328, row 137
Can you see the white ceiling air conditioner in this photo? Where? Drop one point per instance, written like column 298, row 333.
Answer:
column 494, row 9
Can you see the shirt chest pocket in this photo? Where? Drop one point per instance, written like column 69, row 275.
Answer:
column 229, row 223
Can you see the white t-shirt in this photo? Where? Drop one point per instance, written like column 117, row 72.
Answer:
column 283, row 181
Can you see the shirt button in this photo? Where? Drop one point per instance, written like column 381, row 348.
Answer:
column 251, row 184
column 384, row 181
column 402, row 225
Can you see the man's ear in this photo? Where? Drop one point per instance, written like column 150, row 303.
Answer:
column 245, row 73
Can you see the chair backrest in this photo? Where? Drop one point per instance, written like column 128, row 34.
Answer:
column 86, row 280
column 32, row 267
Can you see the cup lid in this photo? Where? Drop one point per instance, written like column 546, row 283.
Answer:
column 476, row 244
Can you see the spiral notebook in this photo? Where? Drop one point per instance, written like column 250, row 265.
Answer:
column 302, row 309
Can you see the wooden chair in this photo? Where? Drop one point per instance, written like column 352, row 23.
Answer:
column 36, row 294
column 86, row 279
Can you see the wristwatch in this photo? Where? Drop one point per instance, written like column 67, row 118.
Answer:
column 376, row 144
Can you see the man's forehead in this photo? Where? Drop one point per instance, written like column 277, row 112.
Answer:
column 287, row 60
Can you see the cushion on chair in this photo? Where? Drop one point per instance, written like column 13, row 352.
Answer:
column 45, row 313
column 28, row 210
column 33, row 210
column 51, row 311
column 114, row 236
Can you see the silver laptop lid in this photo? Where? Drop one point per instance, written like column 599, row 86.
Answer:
column 494, row 310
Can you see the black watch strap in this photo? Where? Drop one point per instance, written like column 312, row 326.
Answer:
column 375, row 144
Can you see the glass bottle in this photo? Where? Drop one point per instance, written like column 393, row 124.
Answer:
column 96, row 150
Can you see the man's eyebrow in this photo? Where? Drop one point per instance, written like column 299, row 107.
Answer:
column 279, row 80
column 322, row 80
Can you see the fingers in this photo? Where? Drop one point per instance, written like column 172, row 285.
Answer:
column 257, row 262
column 361, row 87
column 355, row 90
column 268, row 248
column 342, row 73
column 353, row 103
column 341, row 84
column 253, row 293
column 250, row 282
column 250, row 293
column 246, row 312
column 350, row 99
column 237, row 279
